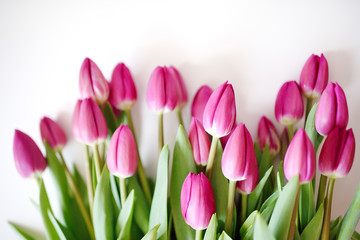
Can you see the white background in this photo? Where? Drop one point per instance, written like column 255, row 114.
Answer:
column 256, row 45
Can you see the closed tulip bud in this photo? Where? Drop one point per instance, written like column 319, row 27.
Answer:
column 162, row 95
column 181, row 88
column 199, row 141
column 248, row 185
column 92, row 82
column 52, row 133
column 197, row 201
column 122, row 88
column 225, row 139
column 314, row 76
column 122, row 157
column 289, row 106
column 300, row 158
column 88, row 123
column 239, row 155
column 267, row 135
column 332, row 110
column 198, row 105
column 27, row 155
column 337, row 153
column 220, row 111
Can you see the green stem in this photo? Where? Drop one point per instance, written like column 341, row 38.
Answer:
column 161, row 132
column 178, row 110
column 294, row 215
column 122, row 191
column 211, row 159
column 198, row 235
column 290, row 132
column 102, row 159
column 89, row 184
column 243, row 208
column 328, row 201
column 78, row 197
column 321, row 191
column 308, row 109
column 37, row 177
column 97, row 161
column 230, row 208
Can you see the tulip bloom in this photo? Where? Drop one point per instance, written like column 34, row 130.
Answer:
column 200, row 100
column 27, row 155
column 267, row 135
column 162, row 95
column 88, row 123
column 332, row 110
column 199, row 141
column 300, row 158
column 314, row 76
column 197, row 201
column 289, row 106
column 181, row 88
column 122, row 157
column 220, row 111
column 248, row 185
column 52, row 133
column 92, row 82
column 239, row 155
column 337, row 153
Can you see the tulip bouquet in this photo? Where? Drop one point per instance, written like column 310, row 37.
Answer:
column 222, row 184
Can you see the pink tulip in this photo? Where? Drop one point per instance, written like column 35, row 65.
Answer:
column 199, row 141
column 267, row 135
column 92, row 82
column 248, row 185
column 314, row 76
column 27, row 155
column 52, row 133
column 289, row 106
column 162, row 95
column 181, row 88
column 122, row 157
column 225, row 139
column 300, row 158
column 122, row 88
column 198, row 105
column 337, row 153
column 239, row 155
column 197, row 201
column 88, row 123
column 220, row 111
column 332, row 110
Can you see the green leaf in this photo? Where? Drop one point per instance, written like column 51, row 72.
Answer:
column 62, row 231
column 183, row 163
column 306, row 204
column 261, row 230
column 335, row 228
column 110, row 118
column 267, row 208
column 210, row 233
column 115, row 192
column 123, row 225
column 351, row 218
column 257, row 153
column 280, row 220
column 266, row 162
column 247, row 229
column 152, row 234
column 313, row 229
column 280, row 176
column 158, row 211
column 355, row 236
column 80, row 182
column 310, row 124
column 224, row 236
column 24, row 232
column 103, row 210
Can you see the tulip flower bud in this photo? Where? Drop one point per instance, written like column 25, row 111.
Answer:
column 181, row 88
column 225, row 139
column 199, row 141
column 162, row 95
column 122, row 157
column 88, row 123
column 337, row 153
column 53, row 134
column 300, row 158
column 332, row 110
column 197, row 201
column 27, row 155
column 220, row 111
column 198, row 105
column 122, row 88
column 239, row 155
column 289, row 106
column 314, row 76
column 248, row 185
column 267, row 135
column 92, row 82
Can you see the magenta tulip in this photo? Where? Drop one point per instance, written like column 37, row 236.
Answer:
column 248, row 185
column 337, row 153
column 314, row 76
column 197, row 201
column 92, row 82
column 289, row 106
column 88, row 123
column 52, row 133
column 239, row 155
column 28, row 158
column 198, row 105
column 220, row 111
column 122, row 88
column 199, row 141
column 181, row 88
column 162, row 95
column 300, row 158
column 225, row 139
column 332, row 110
column 267, row 135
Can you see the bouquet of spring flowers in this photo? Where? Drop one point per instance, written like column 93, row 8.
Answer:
column 221, row 185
